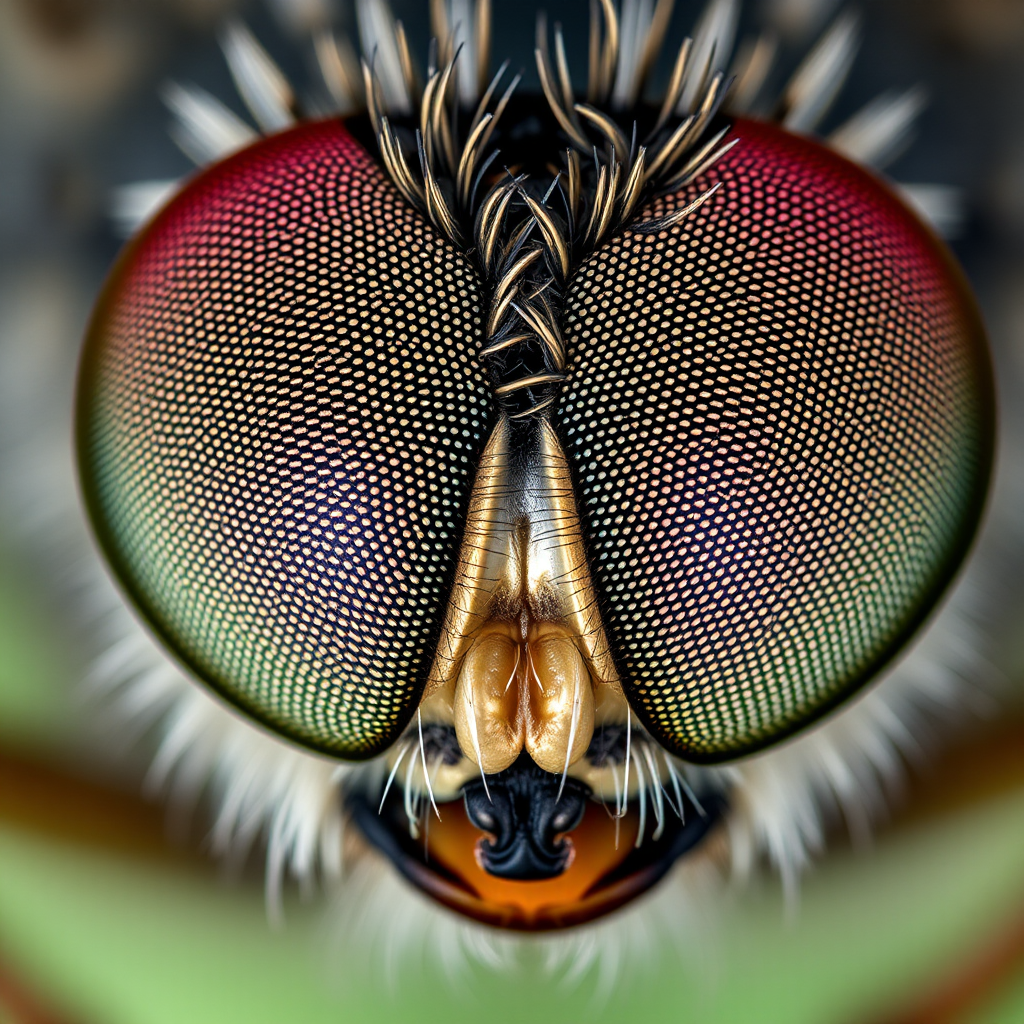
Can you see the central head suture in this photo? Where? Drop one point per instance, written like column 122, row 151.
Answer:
column 531, row 218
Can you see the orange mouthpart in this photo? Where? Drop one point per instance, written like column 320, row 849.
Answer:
column 593, row 883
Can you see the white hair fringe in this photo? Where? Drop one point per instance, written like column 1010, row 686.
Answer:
column 268, row 792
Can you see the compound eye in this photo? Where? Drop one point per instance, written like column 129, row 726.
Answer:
column 780, row 417
column 279, row 410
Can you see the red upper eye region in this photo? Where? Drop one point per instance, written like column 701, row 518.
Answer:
column 780, row 413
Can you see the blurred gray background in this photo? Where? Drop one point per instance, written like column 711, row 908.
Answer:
column 81, row 115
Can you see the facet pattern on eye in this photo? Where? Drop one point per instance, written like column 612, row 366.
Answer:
column 779, row 422
column 280, row 414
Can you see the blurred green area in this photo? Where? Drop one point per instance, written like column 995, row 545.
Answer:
column 105, row 935
column 34, row 671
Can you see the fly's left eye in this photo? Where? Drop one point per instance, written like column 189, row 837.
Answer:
column 279, row 414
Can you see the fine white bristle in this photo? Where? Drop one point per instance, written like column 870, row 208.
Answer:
column 426, row 770
column 753, row 63
column 475, row 735
column 656, row 791
column 258, row 79
column 634, row 22
column 878, row 132
column 378, row 35
column 817, row 81
column 411, row 799
column 204, row 128
column 461, row 22
column 712, row 48
column 674, row 776
column 391, row 775
column 132, row 205
column 942, row 206
column 625, row 768
column 574, row 722
column 339, row 68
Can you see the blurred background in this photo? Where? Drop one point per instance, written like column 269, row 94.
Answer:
column 108, row 917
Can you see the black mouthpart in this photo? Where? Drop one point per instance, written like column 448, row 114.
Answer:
column 527, row 812
column 642, row 867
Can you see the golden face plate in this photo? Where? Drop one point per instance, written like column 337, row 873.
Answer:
column 523, row 661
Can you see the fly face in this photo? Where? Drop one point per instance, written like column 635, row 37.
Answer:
column 542, row 487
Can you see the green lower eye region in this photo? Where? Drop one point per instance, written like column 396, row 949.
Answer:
column 780, row 415
column 279, row 413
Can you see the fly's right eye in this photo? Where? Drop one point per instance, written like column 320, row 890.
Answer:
column 780, row 420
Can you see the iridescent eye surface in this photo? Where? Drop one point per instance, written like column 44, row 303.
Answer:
column 777, row 418
column 780, row 419
column 280, row 410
